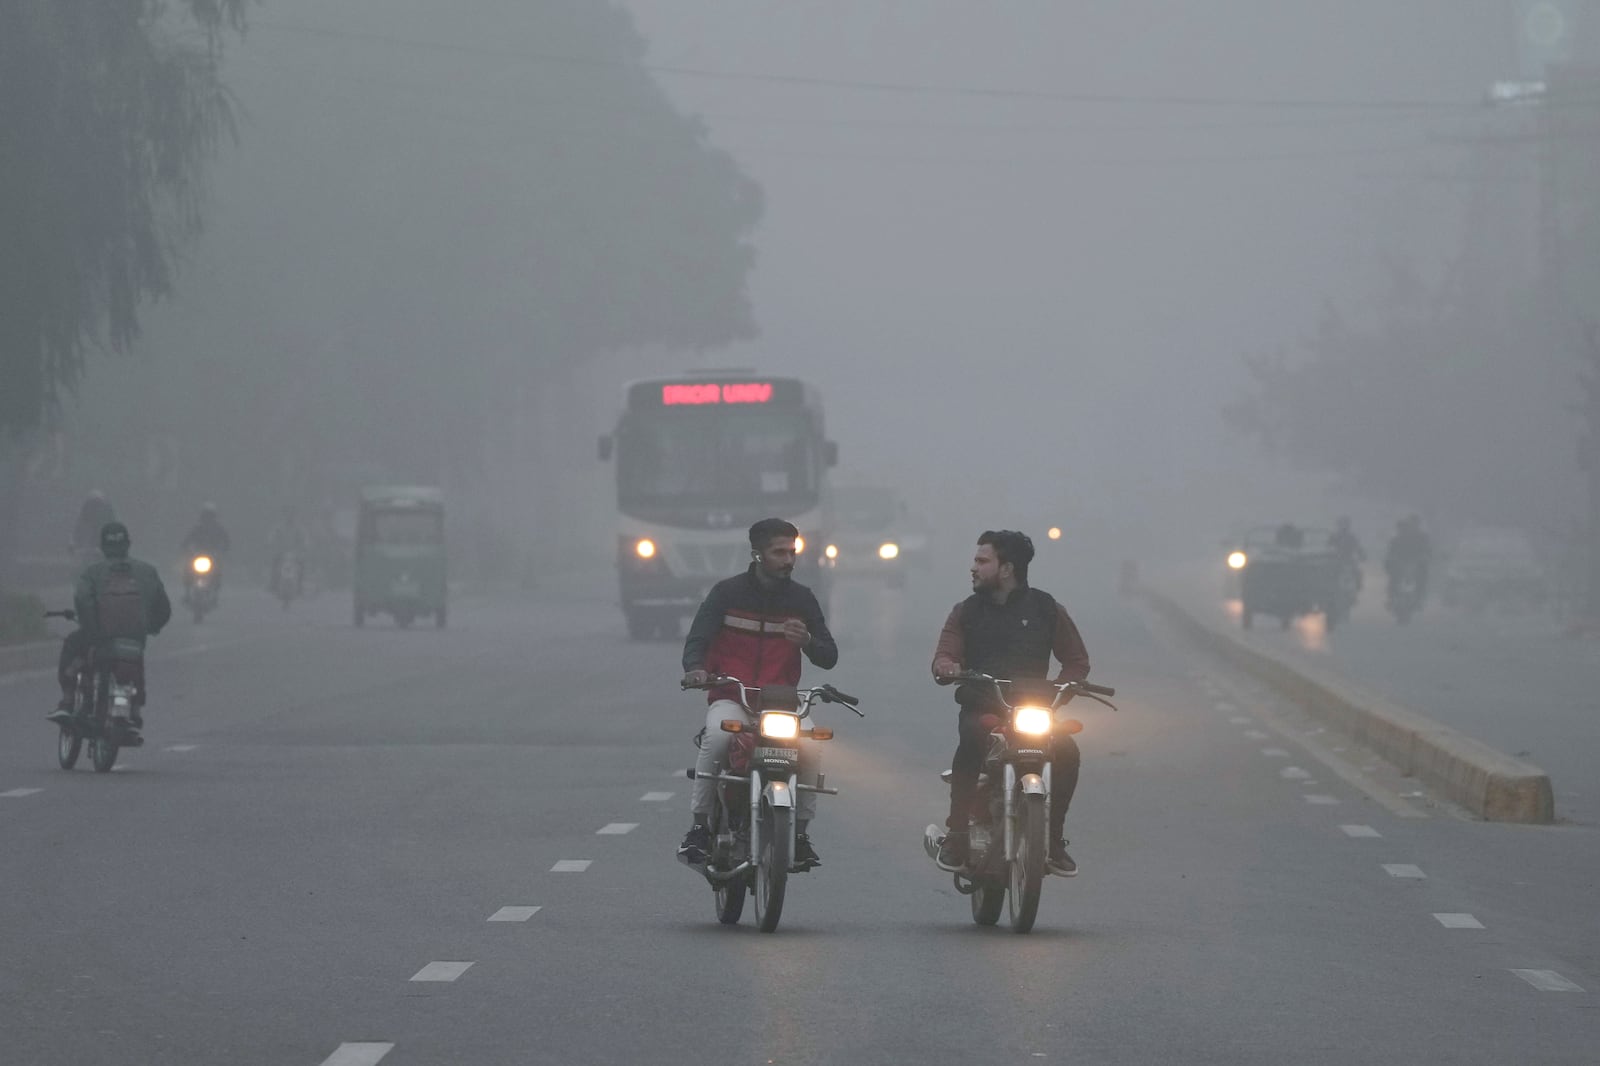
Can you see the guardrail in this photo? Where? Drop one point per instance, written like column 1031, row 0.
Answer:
column 1493, row 785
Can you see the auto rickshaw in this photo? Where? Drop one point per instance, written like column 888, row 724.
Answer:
column 400, row 556
column 1286, row 571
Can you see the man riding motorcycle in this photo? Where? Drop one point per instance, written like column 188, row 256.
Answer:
column 207, row 538
column 93, row 515
column 287, row 538
column 1006, row 629
column 754, row 627
column 117, row 598
column 1409, row 549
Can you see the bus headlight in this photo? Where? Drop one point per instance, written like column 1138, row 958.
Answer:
column 1236, row 560
column 888, row 551
column 645, row 549
column 780, row 726
column 831, row 551
column 202, row 564
column 1034, row 721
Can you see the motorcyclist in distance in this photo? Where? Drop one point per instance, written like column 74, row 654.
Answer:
column 207, row 537
column 1346, row 546
column 93, row 515
column 1410, row 547
column 117, row 598
column 287, row 538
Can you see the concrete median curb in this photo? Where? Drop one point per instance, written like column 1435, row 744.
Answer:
column 1493, row 785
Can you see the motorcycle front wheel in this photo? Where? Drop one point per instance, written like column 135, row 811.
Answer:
column 103, row 754
column 1027, row 869
column 68, row 745
column 988, row 900
column 772, row 871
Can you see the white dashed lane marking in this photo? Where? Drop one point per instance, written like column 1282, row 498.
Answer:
column 1294, row 773
column 1359, row 831
column 1256, row 734
column 1239, row 720
column 182, row 747
column 1403, row 869
column 1225, row 707
column 655, row 797
column 1275, row 753
column 571, row 866
column 1458, row 921
column 1321, row 800
column 1547, row 981
column 616, row 829
column 358, row 1055
column 442, row 971
column 513, row 914
column 18, row 793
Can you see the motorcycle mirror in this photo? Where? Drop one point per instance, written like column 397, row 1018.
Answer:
column 732, row 725
column 821, row 732
column 1070, row 725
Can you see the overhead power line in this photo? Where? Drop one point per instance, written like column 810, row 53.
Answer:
column 886, row 87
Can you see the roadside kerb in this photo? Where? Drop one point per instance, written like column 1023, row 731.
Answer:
column 1487, row 782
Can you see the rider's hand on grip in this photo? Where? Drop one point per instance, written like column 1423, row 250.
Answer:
column 694, row 679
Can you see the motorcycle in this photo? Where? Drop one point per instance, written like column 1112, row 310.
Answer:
column 752, row 819
column 288, row 578
column 1008, row 842
column 1405, row 592
column 103, row 702
column 201, row 586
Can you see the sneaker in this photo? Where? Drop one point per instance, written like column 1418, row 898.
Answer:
column 696, row 844
column 804, row 854
column 62, row 715
column 953, row 851
column 1060, row 862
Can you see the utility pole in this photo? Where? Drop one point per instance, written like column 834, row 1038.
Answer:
column 1589, row 462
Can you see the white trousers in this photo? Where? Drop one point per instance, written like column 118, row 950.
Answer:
column 714, row 758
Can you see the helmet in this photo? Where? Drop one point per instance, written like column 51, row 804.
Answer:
column 114, row 540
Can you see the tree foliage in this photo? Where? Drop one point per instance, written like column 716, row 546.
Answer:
column 1437, row 405
column 109, row 113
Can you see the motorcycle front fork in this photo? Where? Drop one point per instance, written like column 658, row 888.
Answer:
column 1011, row 795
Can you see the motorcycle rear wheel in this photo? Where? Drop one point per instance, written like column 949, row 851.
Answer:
column 1027, row 869
column 68, row 745
column 772, row 871
column 730, row 900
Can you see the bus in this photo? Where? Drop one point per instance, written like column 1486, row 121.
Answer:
column 698, row 459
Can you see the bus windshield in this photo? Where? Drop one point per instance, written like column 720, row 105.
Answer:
column 717, row 457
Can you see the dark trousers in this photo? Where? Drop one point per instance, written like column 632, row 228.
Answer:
column 1065, row 760
column 75, row 649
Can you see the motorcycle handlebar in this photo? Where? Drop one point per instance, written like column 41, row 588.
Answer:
column 972, row 675
column 69, row 615
column 826, row 693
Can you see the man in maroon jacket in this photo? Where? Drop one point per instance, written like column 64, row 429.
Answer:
column 754, row 626
column 1006, row 629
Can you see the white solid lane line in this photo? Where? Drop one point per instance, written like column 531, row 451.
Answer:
column 442, row 971
column 1403, row 869
column 1547, row 981
column 1458, row 921
column 571, row 866
column 1360, row 831
column 655, row 797
column 1320, row 800
column 358, row 1055
column 616, row 829
column 513, row 914
column 18, row 793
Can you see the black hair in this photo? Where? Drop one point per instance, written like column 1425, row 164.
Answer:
column 114, row 540
column 1010, row 547
column 767, row 530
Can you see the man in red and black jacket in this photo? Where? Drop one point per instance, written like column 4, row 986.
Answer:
column 1006, row 629
column 754, row 627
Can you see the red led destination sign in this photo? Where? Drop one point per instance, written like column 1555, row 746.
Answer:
column 696, row 395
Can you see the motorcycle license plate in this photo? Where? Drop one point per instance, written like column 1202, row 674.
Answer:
column 775, row 755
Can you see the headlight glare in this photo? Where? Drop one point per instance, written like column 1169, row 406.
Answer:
column 645, row 549
column 831, row 551
column 1236, row 560
column 888, row 551
column 202, row 564
column 1034, row 721
column 780, row 726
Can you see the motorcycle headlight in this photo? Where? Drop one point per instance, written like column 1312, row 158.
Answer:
column 888, row 551
column 1236, row 560
column 202, row 564
column 1034, row 721
column 799, row 545
column 645, row 548
column 780, row 726
column 831, row 551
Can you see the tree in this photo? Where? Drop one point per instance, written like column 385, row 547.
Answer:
column 109, row 114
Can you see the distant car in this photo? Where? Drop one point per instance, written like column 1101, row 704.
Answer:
column 1287, row 571
column 874, row 536
column 1488, row 567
